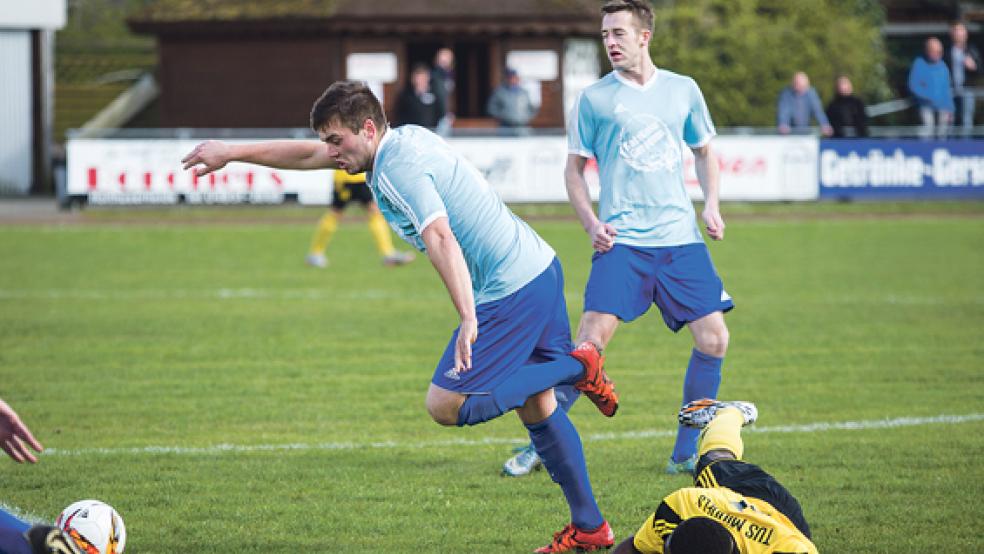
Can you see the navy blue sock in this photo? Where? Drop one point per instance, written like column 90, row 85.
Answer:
column 513, row 392
column 559, row 445
column 9, row 521
column 12, row 534
column 701, row 381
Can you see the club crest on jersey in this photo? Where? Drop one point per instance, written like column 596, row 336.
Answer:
column 645, row 142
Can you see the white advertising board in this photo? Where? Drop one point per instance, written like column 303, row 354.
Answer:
column 143, row 171
column 762, row 168
column 520, row 169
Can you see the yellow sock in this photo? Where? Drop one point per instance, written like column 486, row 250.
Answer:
column 381, row 233
column 323, row 233
column 723, row 433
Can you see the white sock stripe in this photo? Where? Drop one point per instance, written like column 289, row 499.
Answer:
column 595, row 437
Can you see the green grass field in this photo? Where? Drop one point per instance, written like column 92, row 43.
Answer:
column 226, row 398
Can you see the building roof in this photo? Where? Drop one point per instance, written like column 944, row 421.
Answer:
column 369, row 16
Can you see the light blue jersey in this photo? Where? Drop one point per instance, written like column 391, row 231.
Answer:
column 636, row 134
column 417, row 178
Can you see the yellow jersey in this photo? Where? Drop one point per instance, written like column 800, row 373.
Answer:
column 757, row 527
column 343, row 178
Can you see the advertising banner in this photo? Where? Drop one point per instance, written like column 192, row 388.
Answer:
column 901, row 169
column 144, row 171
column 761, row 168
column 520, row 169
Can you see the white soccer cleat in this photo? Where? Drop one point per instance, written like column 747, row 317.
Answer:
column 316, row 260
column 700, row 412
column 525, row 461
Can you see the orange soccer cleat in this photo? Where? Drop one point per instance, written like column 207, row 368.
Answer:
column 575, row 539
column 596, row 385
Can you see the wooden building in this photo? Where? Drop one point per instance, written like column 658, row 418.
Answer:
column 225, row 63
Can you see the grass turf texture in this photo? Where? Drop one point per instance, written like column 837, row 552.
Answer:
column 190, row 336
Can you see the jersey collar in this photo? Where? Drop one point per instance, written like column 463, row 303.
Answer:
column 632, row 84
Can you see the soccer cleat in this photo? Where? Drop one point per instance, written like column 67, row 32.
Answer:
column 700, row 412
column 316, row 260
column 525, row 461
column 685, row 467
column 398, row 258
column 596, row 385
column 575, row 539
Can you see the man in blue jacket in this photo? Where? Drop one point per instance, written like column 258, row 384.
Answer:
column 797, row 104
column 929, row 82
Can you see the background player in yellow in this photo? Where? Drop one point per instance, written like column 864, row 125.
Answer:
column 350, row 188
column 733, row 508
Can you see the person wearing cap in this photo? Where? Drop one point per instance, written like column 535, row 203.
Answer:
column 510, row 103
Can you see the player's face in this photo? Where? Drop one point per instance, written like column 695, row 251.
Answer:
column 351, row 152
column 625, row 43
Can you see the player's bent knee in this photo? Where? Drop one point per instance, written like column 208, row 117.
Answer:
column 443, row 405
column 713, row 342
column 538, row 407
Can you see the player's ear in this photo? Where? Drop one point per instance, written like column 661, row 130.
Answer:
column 369, row 126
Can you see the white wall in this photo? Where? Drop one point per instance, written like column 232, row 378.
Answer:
column 32, row 14
column 15, row 112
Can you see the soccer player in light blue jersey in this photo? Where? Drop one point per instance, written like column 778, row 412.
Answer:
column 513, row 343
column 648, row 248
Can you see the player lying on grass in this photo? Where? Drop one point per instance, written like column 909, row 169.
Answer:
column 733, row 508
column 16, row 535
column 513, row 343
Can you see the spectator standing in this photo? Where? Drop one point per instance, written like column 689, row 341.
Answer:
column 846, row 111
column 511, row 104
column 929, row 82
column 442, row 84
column 964, row 62
column 797, row 104
column 417, row 103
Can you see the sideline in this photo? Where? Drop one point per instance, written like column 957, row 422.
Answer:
column 817, row 427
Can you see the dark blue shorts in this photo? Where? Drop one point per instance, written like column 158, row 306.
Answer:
column 529, row 326
column 681, row 280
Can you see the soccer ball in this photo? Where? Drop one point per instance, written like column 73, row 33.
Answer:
column 94, row 526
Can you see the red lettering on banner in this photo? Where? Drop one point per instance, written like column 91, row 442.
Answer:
column 278, row 181
column 93, row 178
column 122, row 180
column 170, row 180
column 148, row 180
column 194, row 179
column 249, row 181
column 211, row 181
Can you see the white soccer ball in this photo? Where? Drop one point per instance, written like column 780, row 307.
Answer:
column 95, row 526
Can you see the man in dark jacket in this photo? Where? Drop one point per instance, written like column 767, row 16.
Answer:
column 417, row 104
column 846, row 111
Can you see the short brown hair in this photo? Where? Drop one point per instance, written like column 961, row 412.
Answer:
column 640, row 9
column 349, row 103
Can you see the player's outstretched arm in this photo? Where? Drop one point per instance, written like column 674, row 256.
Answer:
column 602, row 234
column 213, row 155
column 708, row 176
column 445, row 254
column 15, row 437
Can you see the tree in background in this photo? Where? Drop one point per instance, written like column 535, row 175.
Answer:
column 743, row 52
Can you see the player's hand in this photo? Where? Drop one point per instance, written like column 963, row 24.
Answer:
column 603, row 237
column 46, row 539
column 467, row 335
column 714, row 223
column 15, row 437
column 210, row 156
